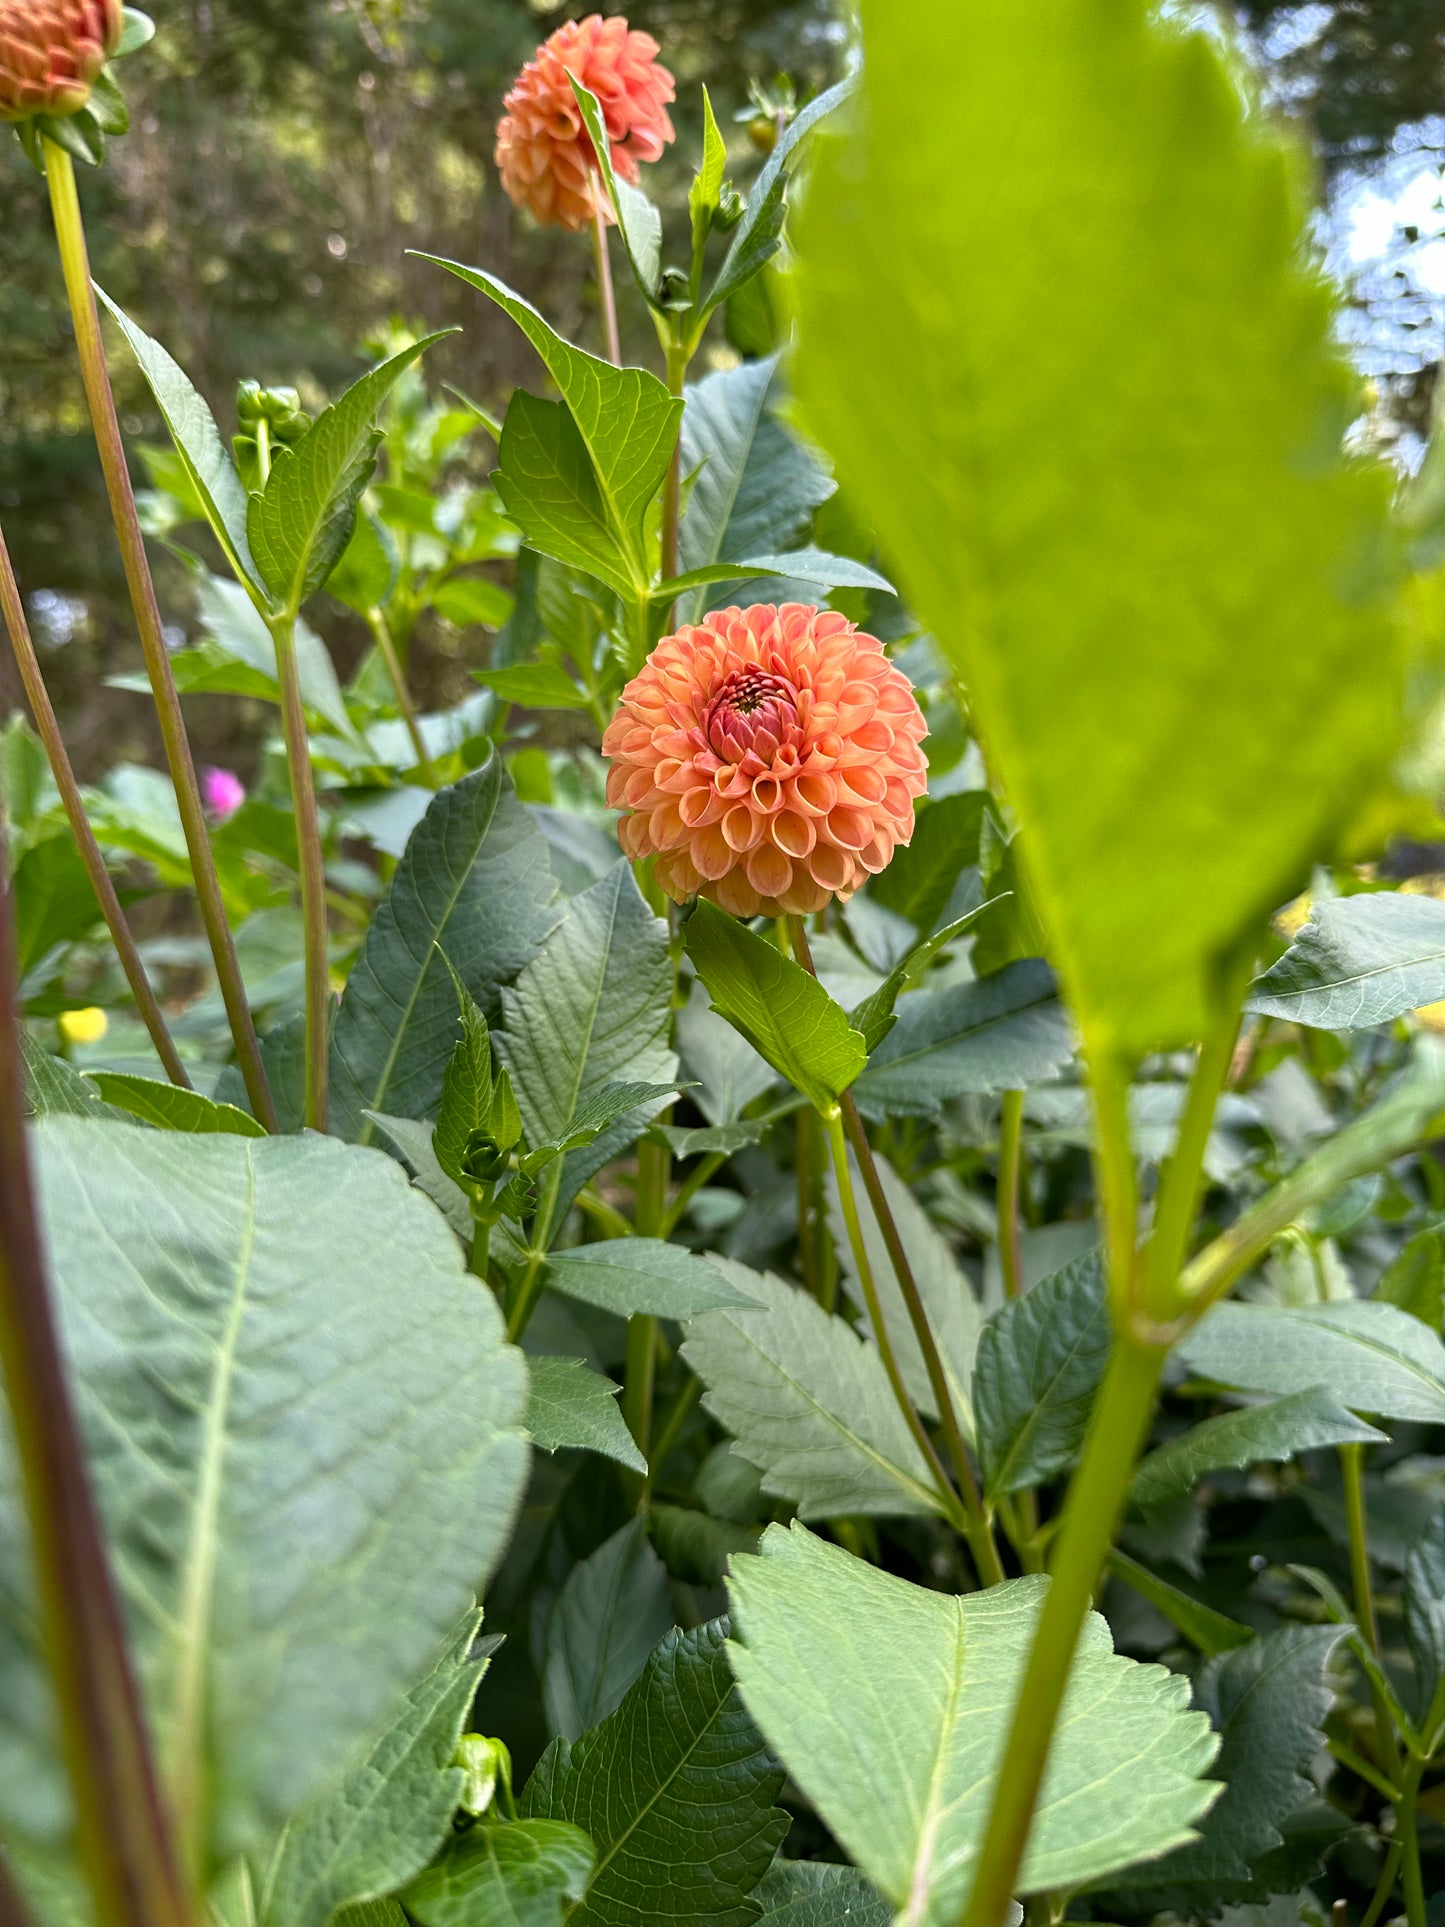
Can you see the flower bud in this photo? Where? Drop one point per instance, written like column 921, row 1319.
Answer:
column 51, row 52
column 484, row 1762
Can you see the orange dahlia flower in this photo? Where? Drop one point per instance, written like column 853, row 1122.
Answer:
column 546, row 157
column 51, row 52
column 768, row 758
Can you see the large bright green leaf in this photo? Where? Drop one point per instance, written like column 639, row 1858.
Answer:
column 303, row 1487
column 519, row 1875
column 301, row 522
column 1149, row 561
column 1268, row 1702
column 1358, row 961
column 549, row 488
column 1303, row 1422
column 889, row 1703
column 1040, row 1360
column 1374, row 1357
column 807, row 1402
column 198, row 443
column 389, row 1815
column 785, row 1014
column 594, row 1007
column 571, row 1406
column 473, row 884
column 627, row 421
column 676, row 1789
column 998, row 1033
column 612, row 1611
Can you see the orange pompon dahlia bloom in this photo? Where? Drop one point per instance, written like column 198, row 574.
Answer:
column 544, row 152
column 51, row 52
column 769, row 758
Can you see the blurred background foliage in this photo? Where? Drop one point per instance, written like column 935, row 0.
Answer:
column 286, row 153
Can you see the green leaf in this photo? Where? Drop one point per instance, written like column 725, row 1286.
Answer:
column 625, row 417
column 705, row 193
column 728, row 1072
column 1185, row 572
column 756, row 486
column 1358, row 961
column 230, row 619
column 471, row 601
column 637, row 219
column 536, row 685
column 994, row 1034
column 54, row 1088
column 632, row 1275
column 1040, row 1360
column 300, row 524
column 1303, row 1422
column 807, row 1401
column 758, row 235
column 522, row 1874
column 953, row 1310
column 389, row 1815
column 473, row 884
column 1210, row 1631
column 612, row 1611
column 1415, row 1279
column 593, row 1008
column 688, row 1142
column 548, row 486
column 785, row 1014
column 171, row 1107
column 812, row 567
column 884, row 1700
column 1268, row 1702
column 198, row 443
column 919, row 881
column 570, row 1406
column 814, row 1893
column 1425, row 1609
column 304, row 1486
column 411, row 1140
column 875, row 1017
column 54, row 900
column 1374, row 1357
column 594, row 1114
column 676, row 1789
column 695, row 1546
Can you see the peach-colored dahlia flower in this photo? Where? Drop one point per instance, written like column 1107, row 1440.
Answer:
column 51, row 52
column 768, row 757
column 544, row 152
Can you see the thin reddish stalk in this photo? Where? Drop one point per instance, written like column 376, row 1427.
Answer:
column 43, row 711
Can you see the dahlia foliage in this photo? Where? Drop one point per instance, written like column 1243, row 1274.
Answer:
column 51, row 52
column 768, row 757
column 546, row 157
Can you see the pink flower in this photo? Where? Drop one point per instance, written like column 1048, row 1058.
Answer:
column 223, row 791
column 769, row 758
column 51, row 52
column 546, row 157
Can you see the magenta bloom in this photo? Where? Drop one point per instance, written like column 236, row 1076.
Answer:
column 224, row 792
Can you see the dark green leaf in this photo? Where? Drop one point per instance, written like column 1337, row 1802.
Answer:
column 609, row 1615
column 549, row 488
column 874, row 1017
column 595, row 1113
column 54, row 900
column 474, row 884
column 1425, row 1610
column 171, row 1107
column 536, row 685
column 1302, row 1422
column 569, row 1406
column 1210, row 1631
column 521, row 1874
column 676, row 1790
column 1415, row 1281
column 1040, row 1360
column 785, row 1014
column 814, row 1893
column 1358, row 961
column 919, row 881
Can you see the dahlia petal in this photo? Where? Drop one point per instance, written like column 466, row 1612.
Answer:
column 849, row 829
column 794, row 835
column 769, row 871
column 736, row 895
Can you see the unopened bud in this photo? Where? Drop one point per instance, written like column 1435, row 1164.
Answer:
column 51, row 53
column 729, row 211
column 483, row 1763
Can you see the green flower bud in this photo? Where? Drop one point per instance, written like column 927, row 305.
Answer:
column 483, row 1762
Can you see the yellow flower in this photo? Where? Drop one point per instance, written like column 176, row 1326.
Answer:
column 84, row 1026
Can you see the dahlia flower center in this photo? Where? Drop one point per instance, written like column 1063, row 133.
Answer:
column 752, row 710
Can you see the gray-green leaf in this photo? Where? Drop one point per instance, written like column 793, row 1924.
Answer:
column 1300, row 1423
column 1040, row 1360
column 522, row 1874
column 571, row 1406
column 612, row 1611
column 644, row 1275
column 1358, row 961
column 1374, row 1357
column 816, row 1893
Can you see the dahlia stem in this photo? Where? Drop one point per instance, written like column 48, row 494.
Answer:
column 316, row 935
column 677, row 360
column 75, row 265
column 28, row 663
column 123, row 1831
column 654, row 1164
column 1010, row 1165
column 606, row 299
column 386, row 649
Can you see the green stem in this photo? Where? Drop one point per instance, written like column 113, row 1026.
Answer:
column 677, row 360
column 1179, row 1185
column 1352, row 1473
column 124, row 1835
column 315, row 931
column 606, row 299
column 13, row 607
column 671, row 1428
column 386, row 649
column 1010, row 1165
column 654, row 1163
column 1115, row 1180
column 1091, row 1516
column 603, row 1214
column 705, row 1168
column 1385, row 1885
column 1361, row 1768
column 805, row 1161
column 75, row 265
column 481, row 1245
column 1407, row 1832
